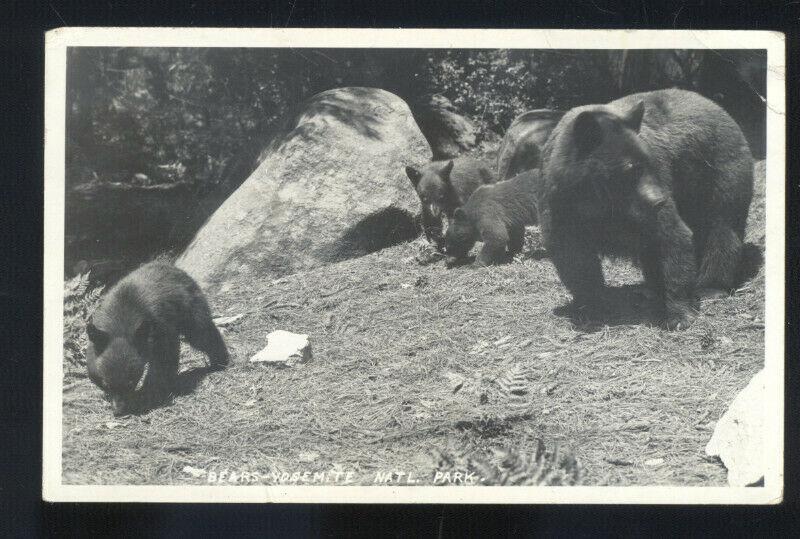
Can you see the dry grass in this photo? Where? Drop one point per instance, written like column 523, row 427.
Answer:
column 410, row 359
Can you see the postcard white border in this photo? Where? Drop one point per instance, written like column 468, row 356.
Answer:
column 55, row 84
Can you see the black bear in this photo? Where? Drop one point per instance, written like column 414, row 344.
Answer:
column 134, row 344
column 496, row 215
column 522, row 145
column 443, row 186
column 666, row 176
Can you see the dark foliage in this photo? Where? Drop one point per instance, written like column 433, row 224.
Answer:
column 145, row 117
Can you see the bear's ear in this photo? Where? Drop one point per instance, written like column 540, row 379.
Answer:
column 96, row 336
column 486, row 175
column 414, row 175
column 587, row 132
column 446, row 170
column 459, row 214
column 633, row 118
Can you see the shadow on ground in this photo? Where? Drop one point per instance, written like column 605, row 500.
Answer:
column 624, row 305
column 635, row 304
column 189, row 380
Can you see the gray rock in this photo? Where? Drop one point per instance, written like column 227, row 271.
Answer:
column 738, row 438
column 336, row 162
column 448, row 132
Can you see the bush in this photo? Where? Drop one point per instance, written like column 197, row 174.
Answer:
column 492, row 87
column 79, row 302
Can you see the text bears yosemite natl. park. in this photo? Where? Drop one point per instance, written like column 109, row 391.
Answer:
column 522, row 144
column 497, row 215
column 665, row 175
column 134, row 345
column 443, row 186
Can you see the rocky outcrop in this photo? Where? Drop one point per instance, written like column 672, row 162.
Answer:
column 337, row 161
column 448, row 132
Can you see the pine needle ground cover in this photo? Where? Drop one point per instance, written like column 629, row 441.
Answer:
column 419, row 368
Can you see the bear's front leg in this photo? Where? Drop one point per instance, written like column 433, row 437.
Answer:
column 432, row 227
column 578, row 265
column 678, row 267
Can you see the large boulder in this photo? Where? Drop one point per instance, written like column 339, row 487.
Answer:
column 448, row 132
column 337, row 161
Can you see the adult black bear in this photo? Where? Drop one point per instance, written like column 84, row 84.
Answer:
column 134, row 344
column 522, row 145
column 496, row 215
column 664, row 175
column 443, row 186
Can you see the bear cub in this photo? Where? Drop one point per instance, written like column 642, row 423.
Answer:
column 134, row 343
column 496, row 215
column 443, row 186
column 524, row 140
column 665, row 176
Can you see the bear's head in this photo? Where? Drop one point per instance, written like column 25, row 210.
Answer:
column 461, row 235
column 432, row 183
column 117, row 364
column 599, row 163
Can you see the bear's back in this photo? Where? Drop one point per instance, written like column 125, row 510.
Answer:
column 157, row 290
column 523, row 142
column 680, row 127
column 468, row 175
column 512, row 200
column 681, row 120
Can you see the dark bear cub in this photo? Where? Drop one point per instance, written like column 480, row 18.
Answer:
column 134, row 343
column 496, row 215
column 522, row 144
column 665, row 176
column 443, row 186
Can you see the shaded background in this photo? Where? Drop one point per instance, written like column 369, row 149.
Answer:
column 157, row 138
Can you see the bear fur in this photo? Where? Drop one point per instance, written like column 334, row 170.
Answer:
column 666, row 176
column 522, row 145
column 443, row 186
column 496, row 215
column 134, row 343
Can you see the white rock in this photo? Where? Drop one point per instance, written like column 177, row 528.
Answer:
column 337, row 159
column 284, row 347
column 194, row 472
column 309, row 456
column 738, row 438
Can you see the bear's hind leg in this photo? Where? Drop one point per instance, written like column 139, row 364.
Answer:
column 207, row 339
column 720, row 261
column 516, row 240
column 203, row 335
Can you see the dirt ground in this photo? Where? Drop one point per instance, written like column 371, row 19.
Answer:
column 409, row 359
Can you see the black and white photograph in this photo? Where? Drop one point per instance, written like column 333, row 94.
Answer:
column 414, row 266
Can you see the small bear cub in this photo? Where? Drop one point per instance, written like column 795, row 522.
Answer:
column 134, row 343
column 496, row 215
column 443, row 186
